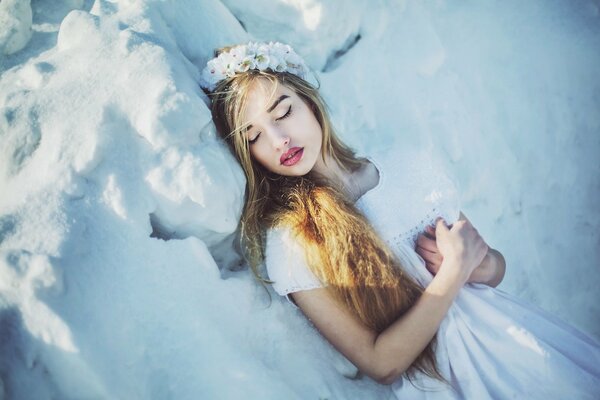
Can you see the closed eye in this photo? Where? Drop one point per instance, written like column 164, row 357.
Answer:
column 287, row 114
column 255, row 138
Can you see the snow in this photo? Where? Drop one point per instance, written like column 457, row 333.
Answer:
column 15, row 19
column 118, row 205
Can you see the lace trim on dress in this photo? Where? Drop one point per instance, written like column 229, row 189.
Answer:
column 297, row 288
column 286, row 293
column 411, row 235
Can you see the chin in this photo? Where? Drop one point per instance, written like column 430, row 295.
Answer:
column 299, row 169
column 294, row 173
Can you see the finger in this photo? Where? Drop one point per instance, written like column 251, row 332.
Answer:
column 459, row 225
column 440, row 227
column 430, row 232
column 433, row 257
column 432, row 268
column 429, row 253
column 427, row 243
column 426, row 256
column 429, row 256
column 423, row 252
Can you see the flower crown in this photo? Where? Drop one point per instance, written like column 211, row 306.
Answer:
column 275, row 56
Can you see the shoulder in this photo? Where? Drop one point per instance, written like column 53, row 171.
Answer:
column 280, row 241
column 286, row 263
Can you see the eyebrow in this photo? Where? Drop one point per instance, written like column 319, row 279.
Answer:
column 275, row 103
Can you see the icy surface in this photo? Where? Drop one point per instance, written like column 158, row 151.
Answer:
column 118, row 205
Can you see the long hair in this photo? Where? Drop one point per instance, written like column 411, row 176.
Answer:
column 341, row 247
column 228, row 107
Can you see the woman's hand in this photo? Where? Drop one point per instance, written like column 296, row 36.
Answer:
column 461, row 247
column 427, row 248
column 490, row 271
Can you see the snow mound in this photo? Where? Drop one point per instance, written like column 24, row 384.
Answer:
column 119, row 275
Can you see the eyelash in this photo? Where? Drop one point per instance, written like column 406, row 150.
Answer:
column 287, row 114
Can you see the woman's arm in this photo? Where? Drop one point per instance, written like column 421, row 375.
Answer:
column 387, row 355
column 491, row 271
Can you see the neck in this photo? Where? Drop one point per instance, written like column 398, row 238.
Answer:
column 337, row 175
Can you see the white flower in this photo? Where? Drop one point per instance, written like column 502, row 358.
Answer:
column 246, row 64
column 263, row 57
column 274, row 61
column 251, row 48
column 280, row 48
column 277, row 56
column 278, row 53
column 281, row 67
column 238, row 53
column 293, row 58
column 213, row 73
column 227, row 63
column 262, row 61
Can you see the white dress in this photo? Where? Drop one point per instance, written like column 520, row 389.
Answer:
column 490, row 345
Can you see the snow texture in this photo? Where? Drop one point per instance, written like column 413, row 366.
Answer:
column 118, row 204
column 15, row 25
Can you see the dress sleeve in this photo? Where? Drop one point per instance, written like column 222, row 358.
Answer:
column 286, row 263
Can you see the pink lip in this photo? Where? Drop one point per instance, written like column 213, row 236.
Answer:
column 296, row 155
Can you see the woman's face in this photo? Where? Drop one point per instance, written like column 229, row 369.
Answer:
column 284, row 135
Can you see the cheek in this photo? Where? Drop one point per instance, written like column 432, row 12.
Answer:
column 314, row 125
column 318, row 131
column 258, row 156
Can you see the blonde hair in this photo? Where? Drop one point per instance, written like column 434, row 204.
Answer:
column 341, row 247
column 228, row 107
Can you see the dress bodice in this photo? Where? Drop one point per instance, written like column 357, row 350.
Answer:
column 413, row 191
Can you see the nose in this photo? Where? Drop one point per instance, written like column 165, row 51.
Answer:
column 280, row 140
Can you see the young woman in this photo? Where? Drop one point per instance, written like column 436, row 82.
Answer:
column 375, row 251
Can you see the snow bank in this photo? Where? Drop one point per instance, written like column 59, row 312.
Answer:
column 15, row 25
column 118, row 205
